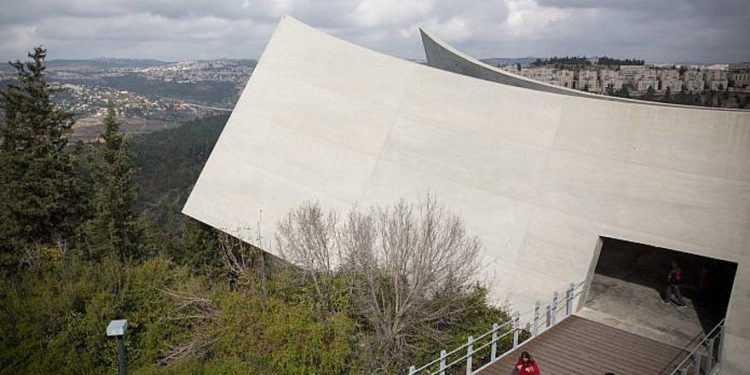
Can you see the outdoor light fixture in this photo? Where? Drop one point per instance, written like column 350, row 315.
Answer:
column 117, row 328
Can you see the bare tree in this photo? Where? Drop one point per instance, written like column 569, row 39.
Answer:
column 198, row 311
column 412, row 267
column 419, row 253
column 308, row 238
column 240, row 258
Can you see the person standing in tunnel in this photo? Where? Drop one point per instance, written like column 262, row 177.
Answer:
column 674, row 279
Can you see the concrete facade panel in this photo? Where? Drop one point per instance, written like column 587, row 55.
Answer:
column 490, row 163
column 498, row 221
column 668, row 138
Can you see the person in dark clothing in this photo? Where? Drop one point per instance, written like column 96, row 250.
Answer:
column 673, row 286
column 704, row 285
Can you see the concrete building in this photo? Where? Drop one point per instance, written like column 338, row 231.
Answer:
column 649, row 73
column 631, row 74
column 553, row 76
column 714, row 75
column 693, row 80
column 718, row 85
column 588, row 79
column 674, row 85
column 694, row 85
column 610, row 77
column 563, row 78
column 669, row 78
column 739, row 74
column 540, row 173
column 644, row 84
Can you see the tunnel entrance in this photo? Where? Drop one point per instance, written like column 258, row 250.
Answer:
column 630, row 281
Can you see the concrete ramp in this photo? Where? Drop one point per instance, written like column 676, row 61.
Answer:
column 579, row 346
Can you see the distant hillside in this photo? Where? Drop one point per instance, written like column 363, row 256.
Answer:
column 206, row 92
column 104, row 63
column 209, row 64
column 496, row 61
column 169, row 162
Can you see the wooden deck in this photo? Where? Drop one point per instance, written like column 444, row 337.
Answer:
column 578, row 346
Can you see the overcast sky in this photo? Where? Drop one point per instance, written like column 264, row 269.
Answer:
column 656, row 30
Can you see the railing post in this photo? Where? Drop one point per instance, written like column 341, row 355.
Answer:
column 516, row 329
column 442, row 362
column 536, row 319
column 569, row 300
column 493, row 347
column 709, row 355
column 720, row 353
column 469, row 349
column 554, row 308
column 697, row 361
column 549, row 315
column 412, row 370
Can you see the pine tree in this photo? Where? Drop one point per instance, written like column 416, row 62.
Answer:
column 650, row 93
column 610, row 89
column 113, row 229
column 623, row 92
column 683, row 97
column 40, row 191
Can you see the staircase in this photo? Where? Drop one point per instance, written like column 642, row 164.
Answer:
column 578, row 346
column 567, row 344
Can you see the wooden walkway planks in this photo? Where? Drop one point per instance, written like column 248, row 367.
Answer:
column 578, row 346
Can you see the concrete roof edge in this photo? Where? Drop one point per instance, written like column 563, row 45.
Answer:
column 558, row 89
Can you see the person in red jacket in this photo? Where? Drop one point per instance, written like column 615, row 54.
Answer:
column 526, row 365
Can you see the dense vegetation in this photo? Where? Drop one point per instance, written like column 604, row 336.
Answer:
column 169, row 162
column 604, row 60
column 582, row 61
column 80, row 245
column 707, row 98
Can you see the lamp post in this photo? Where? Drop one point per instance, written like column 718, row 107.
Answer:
column 117, row 328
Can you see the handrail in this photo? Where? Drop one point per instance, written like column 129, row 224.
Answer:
column 550, row 312
column 495, row 328
column 696, row 354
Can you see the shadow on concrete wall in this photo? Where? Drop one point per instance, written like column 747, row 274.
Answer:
column 707, row 281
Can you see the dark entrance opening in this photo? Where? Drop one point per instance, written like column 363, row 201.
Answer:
column 630, row 281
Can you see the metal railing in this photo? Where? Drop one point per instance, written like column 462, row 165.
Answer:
column 705, row 354
column 532, row 319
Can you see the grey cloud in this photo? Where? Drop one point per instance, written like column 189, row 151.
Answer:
column 33, row 10
column 655, row 30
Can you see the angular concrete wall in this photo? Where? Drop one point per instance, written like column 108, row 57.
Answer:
column 538, row 176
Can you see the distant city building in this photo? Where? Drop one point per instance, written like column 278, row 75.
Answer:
column 610, row 78
column 669, row 79
column 716, row 79
column 694, row 85
column 644, row 85
column 631, row 74
column 663, row 78
column 739, row 74
column 588, row 80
